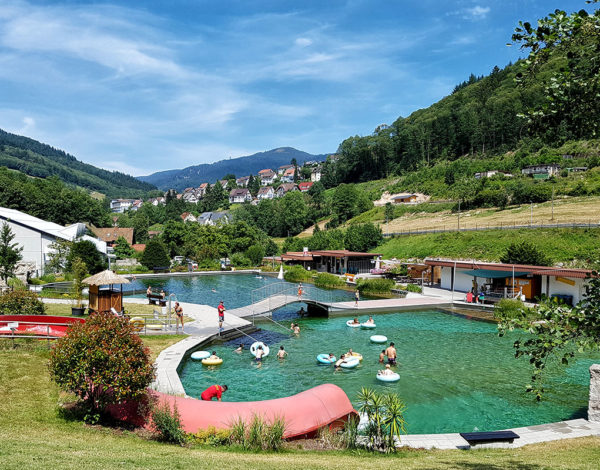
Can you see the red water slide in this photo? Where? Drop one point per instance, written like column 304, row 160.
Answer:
column 304, row 413
column 41, row 325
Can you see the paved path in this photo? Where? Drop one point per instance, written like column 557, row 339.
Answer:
column 382, row 305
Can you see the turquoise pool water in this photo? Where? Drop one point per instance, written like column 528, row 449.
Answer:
column 234, row 289
column 457, row 375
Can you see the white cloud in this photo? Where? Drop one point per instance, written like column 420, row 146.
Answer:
column 477, row 12
column 28, row 125
column 303, row 42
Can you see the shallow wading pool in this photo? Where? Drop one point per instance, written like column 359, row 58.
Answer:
column 457, row 375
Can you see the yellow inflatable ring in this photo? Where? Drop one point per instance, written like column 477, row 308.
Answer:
column 357, row 355
column 212, row 362
column 137, row 323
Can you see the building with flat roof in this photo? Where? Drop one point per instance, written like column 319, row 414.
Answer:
column 334, row 261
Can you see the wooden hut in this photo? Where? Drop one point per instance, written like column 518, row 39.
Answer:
column 103, row 293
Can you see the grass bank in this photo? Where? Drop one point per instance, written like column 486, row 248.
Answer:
column 575, row 247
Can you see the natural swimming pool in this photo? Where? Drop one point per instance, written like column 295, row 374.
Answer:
column 457, row 375
column 234, row 289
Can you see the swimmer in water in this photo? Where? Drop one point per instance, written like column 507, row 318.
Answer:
column 239, row 349
column 281, row 353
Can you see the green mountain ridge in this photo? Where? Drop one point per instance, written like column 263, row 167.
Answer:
column 39, row 160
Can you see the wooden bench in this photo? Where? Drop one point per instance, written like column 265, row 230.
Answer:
column 154, row 299
column 491, row 436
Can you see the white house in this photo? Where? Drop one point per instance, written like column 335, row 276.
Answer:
column 267, row 177
column 545, row 170
column 490, row 173
column 266, row 192
column 242, row 182
column 36, row 235
column 283, row 168
column 238, row 196
column 120, row 205
column 213, row 218
column 288, row 175
column 285, row 188
column 315, row 175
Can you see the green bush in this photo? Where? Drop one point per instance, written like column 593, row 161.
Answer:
column 167, row 424
column 155, row 255
column 102, row 361
column 255, row 254
column 413, row 288
column 239, row 260
column 375, row 286
column 21, row 302
column 328, row 280
column 398, row 270
column 512, row 309
column 296, row 274
column 213, row 437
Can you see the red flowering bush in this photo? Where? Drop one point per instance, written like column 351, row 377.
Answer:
column 103, row 362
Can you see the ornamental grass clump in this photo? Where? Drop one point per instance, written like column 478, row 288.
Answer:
column 258, row 434
column 103, row 362
column 375, row 286
column 167, row 424
column 327, row 280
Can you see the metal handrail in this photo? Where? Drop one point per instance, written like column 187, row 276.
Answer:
column 237, row 329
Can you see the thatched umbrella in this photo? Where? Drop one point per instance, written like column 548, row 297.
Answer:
column 105, row 278
column 105, row 299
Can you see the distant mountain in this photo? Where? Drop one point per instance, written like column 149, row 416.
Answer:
column 193, row 176
column 34, row 158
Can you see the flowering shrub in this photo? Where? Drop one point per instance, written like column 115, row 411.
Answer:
column 21, row 302
column 103, row 362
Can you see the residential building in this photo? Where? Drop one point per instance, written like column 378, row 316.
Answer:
column 404, row 198
column 202, row 190
column 111, row 234
column 120, row 205
column 265, row 192
column 242, row 182
column 490, row 173
column 36, row 236
column 283, row 168
column 155, row 201
column 543, row 171
column 315, row 175
column 213, row 218
column 191, row 196
column 285, row 188
column 224, row 183
column 288, row 175
column 267, row 177
column 188, row 217
column 136, row 205
column 305, row 186
column 239, row 196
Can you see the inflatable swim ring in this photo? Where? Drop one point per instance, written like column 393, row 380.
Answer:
column 367, row 325
column 255, row 346
column 199, row 355
column 378, row 339
column 389, row 378
column 324, row 359
column 212, row 362
column 350, row 363
column 137, row 323
column 351, row 324
column 357, row 356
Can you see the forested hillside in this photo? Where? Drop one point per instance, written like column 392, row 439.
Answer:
column 545, row 101
column 50, row 199
column 34, row 158
column 193, row 176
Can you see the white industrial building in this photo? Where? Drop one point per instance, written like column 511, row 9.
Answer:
column 36, row 235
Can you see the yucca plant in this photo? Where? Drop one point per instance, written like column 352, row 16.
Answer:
column 385, row 418
column 393, row 420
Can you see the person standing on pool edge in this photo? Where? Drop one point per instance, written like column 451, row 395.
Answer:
column 221, row 310
column 179, row 314
column 390, row 352
column 212, row 392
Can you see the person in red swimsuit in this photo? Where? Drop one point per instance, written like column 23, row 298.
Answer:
column 213, row 391
column 221, row 310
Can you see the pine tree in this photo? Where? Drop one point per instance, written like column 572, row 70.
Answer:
column 10, row 253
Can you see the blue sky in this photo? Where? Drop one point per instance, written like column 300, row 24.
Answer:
column 147, row 86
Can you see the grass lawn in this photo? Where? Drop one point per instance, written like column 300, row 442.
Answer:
column 34, row 435
column 576, row 247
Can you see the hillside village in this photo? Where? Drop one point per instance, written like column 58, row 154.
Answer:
column 267, row 184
